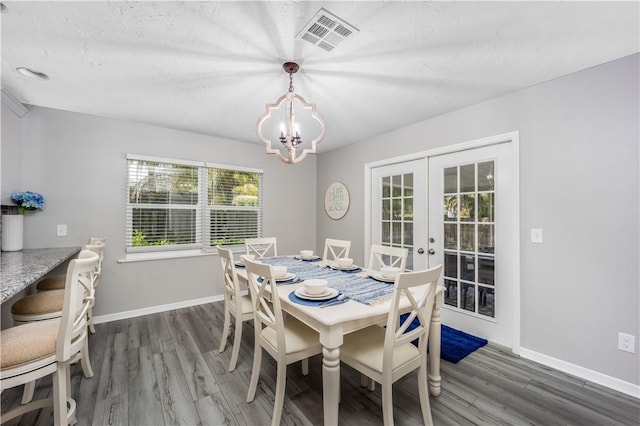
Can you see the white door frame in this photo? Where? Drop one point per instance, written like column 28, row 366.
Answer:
column 514, row 139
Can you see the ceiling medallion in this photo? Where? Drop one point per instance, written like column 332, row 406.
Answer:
column 290, row 130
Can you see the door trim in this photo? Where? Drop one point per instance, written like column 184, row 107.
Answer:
column 511, row 137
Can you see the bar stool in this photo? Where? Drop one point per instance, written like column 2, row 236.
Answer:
column 39, row 349
column 56, row 282
column 49, row 305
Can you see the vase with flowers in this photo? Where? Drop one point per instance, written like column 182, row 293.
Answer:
column 12, row 225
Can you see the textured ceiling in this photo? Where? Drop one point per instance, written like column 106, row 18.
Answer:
column 210, row 67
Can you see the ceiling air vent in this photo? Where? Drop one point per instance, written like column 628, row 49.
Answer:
column 326, row 30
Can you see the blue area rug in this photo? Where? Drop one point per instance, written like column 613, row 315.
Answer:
column 454, row 344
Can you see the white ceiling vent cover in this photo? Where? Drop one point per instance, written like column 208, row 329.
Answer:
column 326, row 30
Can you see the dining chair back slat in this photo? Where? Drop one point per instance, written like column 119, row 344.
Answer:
column 261, row 247
column 334, row 249
column 382, row 256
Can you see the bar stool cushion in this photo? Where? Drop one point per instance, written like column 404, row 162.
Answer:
column 39, row 303
column 56, row 282
column 26, row 343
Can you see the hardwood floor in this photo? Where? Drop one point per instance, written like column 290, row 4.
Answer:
column 165, row 369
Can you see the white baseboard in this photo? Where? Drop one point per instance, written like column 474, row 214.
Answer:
column 583, row 373
column 155, row 309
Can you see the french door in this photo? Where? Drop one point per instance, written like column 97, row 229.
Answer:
column 472, row 223
column 458, row 209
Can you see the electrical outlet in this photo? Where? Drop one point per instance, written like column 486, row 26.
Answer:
column 536, row 235
column 61, row 230
column 627, row 342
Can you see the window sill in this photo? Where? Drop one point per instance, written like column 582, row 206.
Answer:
column 177, row 254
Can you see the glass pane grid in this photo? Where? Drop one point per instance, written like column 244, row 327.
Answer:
column 469, row 237
column 397, row 212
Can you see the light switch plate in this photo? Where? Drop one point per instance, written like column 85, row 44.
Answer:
column 536, row 235
column 61, row 230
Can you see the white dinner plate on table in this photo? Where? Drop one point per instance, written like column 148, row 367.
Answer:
column 307, row 258
column 330, row 293
column 378, row 276
column 287, row 277
column 348, row 268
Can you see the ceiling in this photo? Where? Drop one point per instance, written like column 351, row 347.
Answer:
column 210, row 67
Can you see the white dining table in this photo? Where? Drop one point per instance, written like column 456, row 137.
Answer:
column 333, row 322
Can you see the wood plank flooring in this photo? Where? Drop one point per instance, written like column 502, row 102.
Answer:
column 165, row 369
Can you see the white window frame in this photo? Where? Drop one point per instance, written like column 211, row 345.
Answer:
column 202, row 244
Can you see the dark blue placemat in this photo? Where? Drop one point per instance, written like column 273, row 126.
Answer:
column 300, row 301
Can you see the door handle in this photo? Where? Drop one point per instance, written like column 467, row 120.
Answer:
column 420, row 250
column 432, row 251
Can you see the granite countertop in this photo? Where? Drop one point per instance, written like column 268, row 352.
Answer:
column 20, row 269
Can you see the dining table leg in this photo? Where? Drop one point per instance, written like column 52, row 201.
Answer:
column 331, row 384
column 434, row 346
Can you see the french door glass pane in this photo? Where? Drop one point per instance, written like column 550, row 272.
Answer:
column 468, row 297
column 468, row 178
column 451, row 180
column 386, row 187
column 468, row 267
column 486, row 301
column 396, row 186
column 408, row 233
column 467, row 237
column 450, row 265
column 485, row 176
column 386, row 233
column 450, row 236
column 451, row 293
column 486, row 270
column 408, row 185
column 486, row 238
column 468, row 207
column 397, row 233
column 386, row 209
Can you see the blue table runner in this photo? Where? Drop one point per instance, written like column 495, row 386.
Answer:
column 361, row 289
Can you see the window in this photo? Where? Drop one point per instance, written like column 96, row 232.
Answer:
column 176, row 205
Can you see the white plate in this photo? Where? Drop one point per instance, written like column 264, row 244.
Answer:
column 330, row 294
column 239, row 263
column 348, row 268
column 287, row 277
column 306, row 258
column 378, row 276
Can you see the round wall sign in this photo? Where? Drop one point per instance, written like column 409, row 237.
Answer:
column 336, row 200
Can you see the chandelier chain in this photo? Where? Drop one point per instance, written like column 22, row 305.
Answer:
column 290, row 81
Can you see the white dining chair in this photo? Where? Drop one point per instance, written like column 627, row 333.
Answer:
column 335, row 248
column 287, row 341
column 387, row 354
column 381, row 256
column 38, row 349
column 236, row 305
column 261, row 247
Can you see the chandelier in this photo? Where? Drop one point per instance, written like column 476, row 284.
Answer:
column 290, row 132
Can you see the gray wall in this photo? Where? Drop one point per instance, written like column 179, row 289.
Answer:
column 578, row 181
column 78, row 163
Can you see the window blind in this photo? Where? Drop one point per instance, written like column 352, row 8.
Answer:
column 186, row 205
